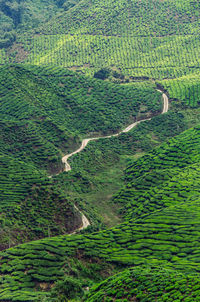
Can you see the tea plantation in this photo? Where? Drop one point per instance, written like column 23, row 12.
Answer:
column 166, row 235
column 161, row 177
column 71, row 70
column 147, row 284
column 44, row 114
column 35, row 131
column 31, row 206
column 146, row 39
column 98, row 171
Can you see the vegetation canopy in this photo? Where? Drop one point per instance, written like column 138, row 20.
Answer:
column 73, row 71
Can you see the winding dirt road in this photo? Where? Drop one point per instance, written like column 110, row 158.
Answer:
column 87, row 140
column 85, row 221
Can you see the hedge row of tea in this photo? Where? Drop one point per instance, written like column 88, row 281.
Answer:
column 168, row 236
column 147, row 284
column 167, row 175
column 27, row 130
column 31, row 206
column 175, row 58
column 153, row 57
column 91, row 104
column 186, row 88
column 140, row 38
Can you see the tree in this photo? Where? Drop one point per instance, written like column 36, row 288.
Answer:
column 66, row 289
column 102, row 74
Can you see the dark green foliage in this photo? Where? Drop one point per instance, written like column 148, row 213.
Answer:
column 159, row 178
column 7, row 39
column 98, row 171
column 167, row 236
column 142, row 18
column 147, row 284
column 147, row 135
column 43, row 113
column 102, row 74
column 141, row 39
column 68, row 288
column 31, row 206
column 18, row 15
column 78, row 99
column 35, row 131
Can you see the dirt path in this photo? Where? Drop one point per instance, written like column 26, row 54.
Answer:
column 85, row 221
column 87, row 140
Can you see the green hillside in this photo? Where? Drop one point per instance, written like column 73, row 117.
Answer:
column 156, row 18
column 44, row 113
column 31, row 206
column 147, row 284
column 151, row 39
column 161, row 239
column 165, row 234
column 19, row 15
column 161, row 177
column 71, row 70
column 98, row 171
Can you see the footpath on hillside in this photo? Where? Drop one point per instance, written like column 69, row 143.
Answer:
column 85, row 221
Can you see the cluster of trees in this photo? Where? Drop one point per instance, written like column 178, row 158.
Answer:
column 17, row 15
column 144, row 18
column 10, row 17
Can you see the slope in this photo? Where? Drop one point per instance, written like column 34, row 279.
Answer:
column 146, row 39
column 44, row 113
column 147, row 284
column 31, row 206
column 166, row 175
column 21, row 15
column 166, row 236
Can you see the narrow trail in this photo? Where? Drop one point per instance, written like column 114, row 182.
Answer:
column 85, row 221
column 127, row 129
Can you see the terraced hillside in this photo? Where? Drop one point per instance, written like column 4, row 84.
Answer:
column 98, row 171
column 30, row 95
column 136, row 285
column 154, row 39
column 44, row 113
column 185, row 88
column 74, row 69
column 146, row 39
column 31, row 206
column 164, row 236
column 151, row 182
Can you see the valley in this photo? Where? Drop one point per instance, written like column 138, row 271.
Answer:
column 99, row 151
column 87, row 140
